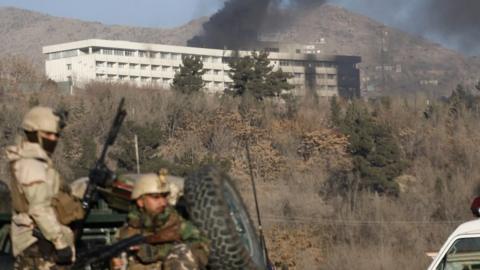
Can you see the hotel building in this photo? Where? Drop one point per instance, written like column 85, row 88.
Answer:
column 84, row 61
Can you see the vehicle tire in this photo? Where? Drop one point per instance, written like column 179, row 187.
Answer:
column 217, row 209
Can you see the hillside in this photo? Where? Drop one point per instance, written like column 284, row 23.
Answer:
column 411, row 63
column 25, row 32
column 411, row 59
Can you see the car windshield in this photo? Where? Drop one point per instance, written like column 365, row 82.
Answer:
column 463, row 254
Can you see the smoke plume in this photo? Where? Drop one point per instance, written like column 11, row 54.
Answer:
column 453, row 23
column 238, row 23
column 458, row 22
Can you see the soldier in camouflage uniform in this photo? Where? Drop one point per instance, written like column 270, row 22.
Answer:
column 185, row 246
column 34, row 184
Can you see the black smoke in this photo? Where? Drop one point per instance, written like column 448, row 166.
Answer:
column 453, row 23
column 238, row 24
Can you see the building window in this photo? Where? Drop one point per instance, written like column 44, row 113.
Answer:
column 132, row 66
column 122, row 77
column 164, row 55
column 122, row 65
column 176, row 69
column 142, row 54
column 165, row 68
column 108, row 51
column 155, row 68
column 99, row 64
column 55, row 55
column 144, row 79
column 143, row 67
column 69, row 66
column 110, row 64
column 118, row 52
column 331, row 76
column 216, row 72
column 129, row 53
column 100, row 76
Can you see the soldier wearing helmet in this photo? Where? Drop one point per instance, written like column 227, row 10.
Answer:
column 153, row 213
column 34, row 187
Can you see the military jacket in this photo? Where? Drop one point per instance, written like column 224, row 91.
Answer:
column 34, row 182
column 140, row 222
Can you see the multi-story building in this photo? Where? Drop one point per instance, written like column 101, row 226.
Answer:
column 155, row 64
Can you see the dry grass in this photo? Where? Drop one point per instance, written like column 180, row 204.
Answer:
column 293, row 156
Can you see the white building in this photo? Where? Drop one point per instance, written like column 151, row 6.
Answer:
column 144, row 63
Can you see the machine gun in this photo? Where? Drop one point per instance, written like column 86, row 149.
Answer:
column 100, row 254
column 100, row 174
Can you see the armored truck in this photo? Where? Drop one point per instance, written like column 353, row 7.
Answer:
column 207, row 197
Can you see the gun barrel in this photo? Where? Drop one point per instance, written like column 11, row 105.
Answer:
column 107, row 252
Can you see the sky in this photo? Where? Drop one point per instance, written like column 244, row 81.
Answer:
column 148, row 13
column 453, row 23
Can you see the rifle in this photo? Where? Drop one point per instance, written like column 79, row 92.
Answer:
column 100, row 174
column 106, row 252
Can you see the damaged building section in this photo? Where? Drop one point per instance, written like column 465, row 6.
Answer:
column 145, row 64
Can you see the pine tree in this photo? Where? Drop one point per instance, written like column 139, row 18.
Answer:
column 253, row 75
column 189, row 79
column 335, row 112
column 376, row 155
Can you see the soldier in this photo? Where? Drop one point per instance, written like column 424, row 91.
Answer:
column 35, row 188
column 153, row 214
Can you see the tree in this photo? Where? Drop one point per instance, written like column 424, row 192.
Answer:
column 376, row 155
column 254, row 75
column 335, row 111
column 189, row 79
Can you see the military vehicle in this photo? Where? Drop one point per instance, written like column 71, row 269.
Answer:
column 207, row 197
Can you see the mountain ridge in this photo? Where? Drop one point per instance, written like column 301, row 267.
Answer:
column 411, row 63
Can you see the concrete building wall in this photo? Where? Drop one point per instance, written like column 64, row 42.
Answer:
column 144, row 64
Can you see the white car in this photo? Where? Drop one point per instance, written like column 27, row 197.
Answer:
column 461, row 251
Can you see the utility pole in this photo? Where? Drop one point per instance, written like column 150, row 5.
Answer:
column 383, row 58
column 137, row 156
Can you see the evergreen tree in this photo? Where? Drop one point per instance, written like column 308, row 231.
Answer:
column 376, row 155
column 189, row 79
column 253, row 75
column 335, row 112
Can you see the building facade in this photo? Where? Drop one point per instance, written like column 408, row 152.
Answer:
column 89, row 60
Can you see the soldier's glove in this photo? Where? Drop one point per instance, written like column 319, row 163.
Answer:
column 147, row 254
column 64, row 256
column 101, row 175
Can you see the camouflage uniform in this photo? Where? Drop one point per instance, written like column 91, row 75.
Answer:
column 34, row 183
column 191, row 252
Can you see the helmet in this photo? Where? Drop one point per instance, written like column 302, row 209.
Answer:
column 149, row 184
column 41, row 119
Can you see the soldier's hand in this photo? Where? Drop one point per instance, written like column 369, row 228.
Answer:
column 101, row 175
column 64, row 256
column 117, row 263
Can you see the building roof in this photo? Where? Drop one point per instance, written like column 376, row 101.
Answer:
column 129, row 45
